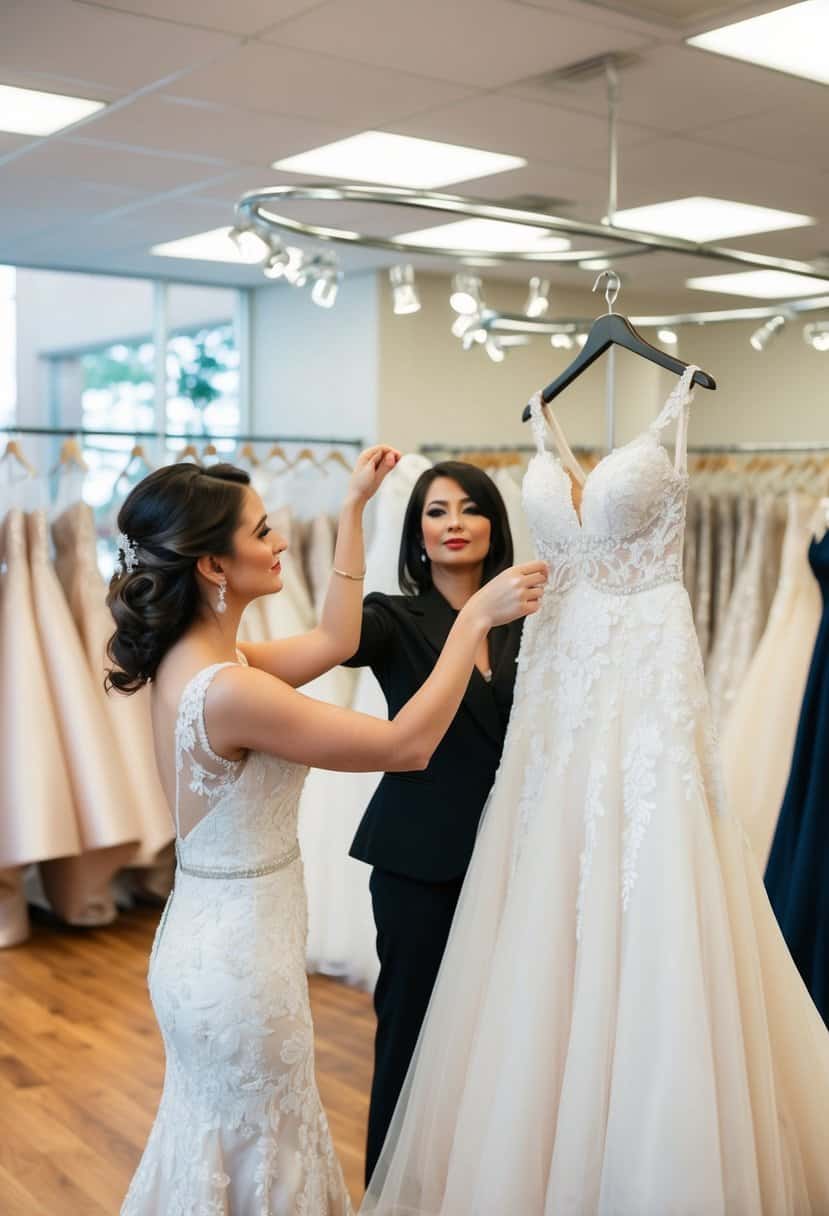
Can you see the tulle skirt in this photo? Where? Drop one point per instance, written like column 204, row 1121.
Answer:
column 617, row 1027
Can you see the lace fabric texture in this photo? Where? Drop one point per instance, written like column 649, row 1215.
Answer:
column 240, row 1127
column 617, row 1028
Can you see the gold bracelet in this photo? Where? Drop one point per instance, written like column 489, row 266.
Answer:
column 357, row 578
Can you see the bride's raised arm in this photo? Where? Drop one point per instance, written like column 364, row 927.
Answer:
column 298, row 660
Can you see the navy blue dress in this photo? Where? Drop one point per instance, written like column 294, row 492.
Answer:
column 797, row 876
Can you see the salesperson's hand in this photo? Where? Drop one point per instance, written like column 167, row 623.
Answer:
column 512, row 594
column 369, row 471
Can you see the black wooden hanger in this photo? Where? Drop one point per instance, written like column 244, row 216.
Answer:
column 615, row 330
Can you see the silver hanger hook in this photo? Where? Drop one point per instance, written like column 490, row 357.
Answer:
column 612, row 287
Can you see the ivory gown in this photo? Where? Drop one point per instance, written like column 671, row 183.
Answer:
column 78, row 888
column 76, row 566
column 37, row 816
column 617, row 1028
column 341, row 929
column 759, row 732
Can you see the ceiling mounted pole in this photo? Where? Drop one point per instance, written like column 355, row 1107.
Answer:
column 612, row 79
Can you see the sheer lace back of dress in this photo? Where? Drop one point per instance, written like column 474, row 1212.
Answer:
column 229, row 813
column 628, row 535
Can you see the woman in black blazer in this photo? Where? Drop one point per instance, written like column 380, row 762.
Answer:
column 419, row 829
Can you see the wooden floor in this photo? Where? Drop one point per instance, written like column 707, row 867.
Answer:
column 81, row 1067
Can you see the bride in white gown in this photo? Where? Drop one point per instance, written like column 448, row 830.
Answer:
column 240, row 1127
column 617, row 1027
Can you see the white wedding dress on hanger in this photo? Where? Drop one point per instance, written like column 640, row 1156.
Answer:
column 240, row 1127
column 617, row 1028
column 340, row 921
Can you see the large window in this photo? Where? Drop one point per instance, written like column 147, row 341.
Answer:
column 8, row 346
column 109, row 354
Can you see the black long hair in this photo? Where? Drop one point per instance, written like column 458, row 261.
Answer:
column 415, row 575
column 174, row 516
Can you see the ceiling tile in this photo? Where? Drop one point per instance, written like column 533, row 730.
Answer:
column 75, row 159
column 784, row 135
column 239, row 17
column 676, row 167
column 170, row 124
column 283, row 80
column 478, row 42
column 524, row 128
column 679, row 89
column 97, row 45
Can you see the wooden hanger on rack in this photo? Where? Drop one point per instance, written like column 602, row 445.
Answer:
column 189, row 450
column 336, row 457
column 210, row 450
column 137, row 455
column 70, row 454
column 15, row 452
column 247, row 453
column 307, row 454
column 612, row 329
column 277, row 452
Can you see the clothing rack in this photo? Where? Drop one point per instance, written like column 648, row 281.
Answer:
column 449, row 450
column 81, row 432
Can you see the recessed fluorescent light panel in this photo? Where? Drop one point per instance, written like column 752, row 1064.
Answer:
column 29, row 112
column 707, row 219
column 212, row 246
column 791, row 39
column 486, row 236
column 763, row 284
column 399, row 160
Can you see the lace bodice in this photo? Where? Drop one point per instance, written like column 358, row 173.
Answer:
column 231, row 815
column 628, row 537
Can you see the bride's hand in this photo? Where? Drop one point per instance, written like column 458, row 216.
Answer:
column 370, row 469
column 512, row 594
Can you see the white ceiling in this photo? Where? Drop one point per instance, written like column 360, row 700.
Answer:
column 204, row 94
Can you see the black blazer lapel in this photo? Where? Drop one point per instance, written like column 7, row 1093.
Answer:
column 435, row 617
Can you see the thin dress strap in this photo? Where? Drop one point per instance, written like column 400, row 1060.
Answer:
column 191, row 731
column 677, row 406
column 544, row 422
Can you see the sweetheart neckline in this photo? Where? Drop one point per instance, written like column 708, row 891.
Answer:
column 678, row 475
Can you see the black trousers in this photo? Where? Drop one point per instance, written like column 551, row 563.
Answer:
column 413, row 920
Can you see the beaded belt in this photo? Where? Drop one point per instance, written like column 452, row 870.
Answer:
column 269, row 867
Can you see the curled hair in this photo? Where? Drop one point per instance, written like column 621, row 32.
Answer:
column 414, row 575
column 174, row 516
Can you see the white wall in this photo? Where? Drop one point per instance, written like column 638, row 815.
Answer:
column 315, row 369
column 781, row 393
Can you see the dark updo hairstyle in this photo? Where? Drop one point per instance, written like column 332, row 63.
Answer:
column 174, row 516
column 415, row 575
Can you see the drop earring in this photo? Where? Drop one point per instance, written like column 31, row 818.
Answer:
column 423, row 557
column 221, row 606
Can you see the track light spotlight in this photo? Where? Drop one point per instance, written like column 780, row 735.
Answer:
column 466, row 294
column 668, row 337
column 562, row 340
column 404, row 293
column 252, row 247
column 277, row 262
column 762, row 336
column 538, row 301
column 326, row 286
column 581, row 339
column 495, row 350
column 296, row 270
column 816, row 335
column 474, row 335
